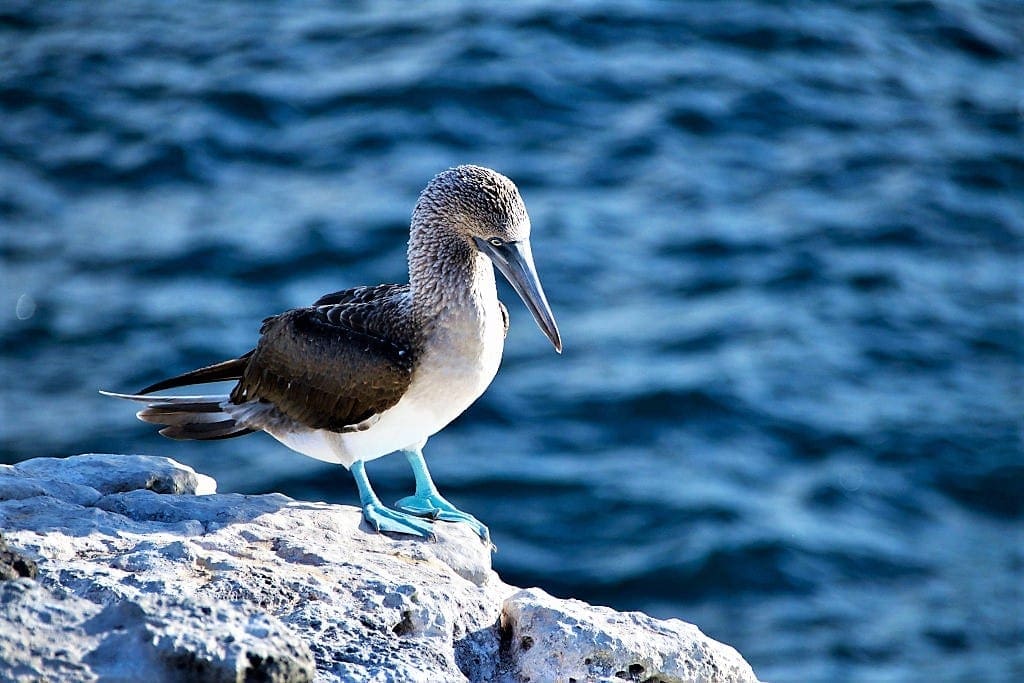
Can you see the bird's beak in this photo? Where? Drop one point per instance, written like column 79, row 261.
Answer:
column 515, row 261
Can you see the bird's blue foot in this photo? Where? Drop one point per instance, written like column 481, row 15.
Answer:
column 435, row 506
column 382, row 518
column 427, row 502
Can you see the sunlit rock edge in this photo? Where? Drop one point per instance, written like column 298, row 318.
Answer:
column 131, row 567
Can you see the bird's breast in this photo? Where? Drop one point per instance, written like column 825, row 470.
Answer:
column 459, row 358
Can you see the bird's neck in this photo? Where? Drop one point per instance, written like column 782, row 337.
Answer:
column 448, row 278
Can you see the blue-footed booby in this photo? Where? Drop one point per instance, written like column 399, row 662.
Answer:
column 368, row 371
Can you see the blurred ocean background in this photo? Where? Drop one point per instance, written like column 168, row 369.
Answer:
column 783, row 241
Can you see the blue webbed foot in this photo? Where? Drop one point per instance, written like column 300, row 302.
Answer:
column 435, row 506
column 427, row 502
column 382, row 518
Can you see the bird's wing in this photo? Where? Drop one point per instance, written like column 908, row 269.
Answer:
column 362, row 295
column 336, row 364
column 219, row 372
column 504, row 318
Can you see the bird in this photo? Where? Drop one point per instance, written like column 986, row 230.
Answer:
column 374, row 370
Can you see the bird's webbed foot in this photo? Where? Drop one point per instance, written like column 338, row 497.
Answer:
column 382, row 518
column 435, row 506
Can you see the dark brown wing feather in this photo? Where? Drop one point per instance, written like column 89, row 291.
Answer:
column 361, row 295
column 219, row 372
column 335, row 364
column 504, row 317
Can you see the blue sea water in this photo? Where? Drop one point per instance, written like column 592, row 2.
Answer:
column 783, row 241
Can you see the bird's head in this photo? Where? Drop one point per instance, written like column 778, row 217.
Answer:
column 483, row 210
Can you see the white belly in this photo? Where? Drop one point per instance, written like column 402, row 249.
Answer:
column 404, row 425
column 458, row 366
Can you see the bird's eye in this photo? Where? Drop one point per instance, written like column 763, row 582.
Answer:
column 496, row 241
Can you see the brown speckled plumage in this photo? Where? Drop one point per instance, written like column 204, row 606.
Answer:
column 368, row 371
column 334, row 365
column 340, row 363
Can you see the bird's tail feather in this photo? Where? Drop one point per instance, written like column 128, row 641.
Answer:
column 218, row 372
column 188, row 417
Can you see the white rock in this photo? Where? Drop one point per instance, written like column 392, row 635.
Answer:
column 148, row 638
column 115, row 473
column 228, row 586
column 568, row 640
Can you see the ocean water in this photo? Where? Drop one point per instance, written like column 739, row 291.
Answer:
column 783, row 241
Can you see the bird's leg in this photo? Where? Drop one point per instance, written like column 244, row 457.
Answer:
column 427, row 502
column 382, row 518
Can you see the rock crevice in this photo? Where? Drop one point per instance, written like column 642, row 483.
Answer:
column 138, row 554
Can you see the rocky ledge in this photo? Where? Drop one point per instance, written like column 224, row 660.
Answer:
column 132, row 568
